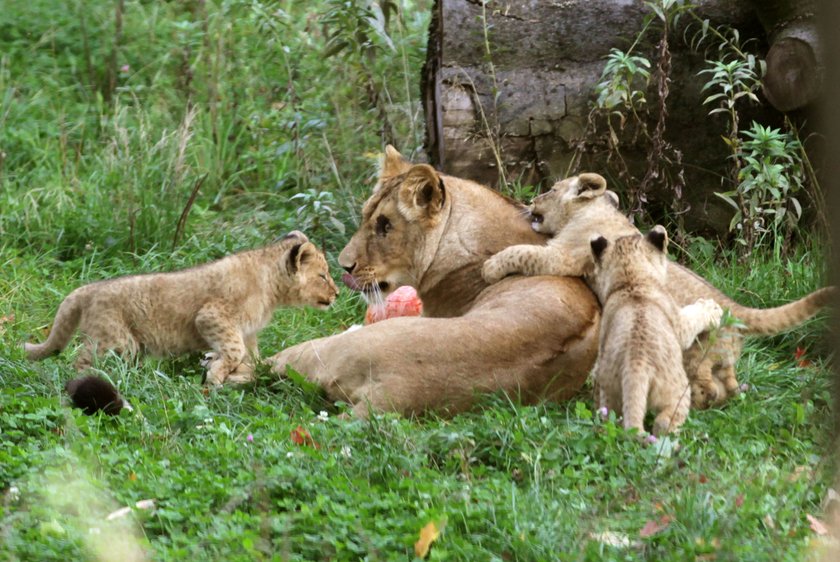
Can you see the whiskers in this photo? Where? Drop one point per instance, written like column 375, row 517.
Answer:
column 371, row 293
column 375, row 296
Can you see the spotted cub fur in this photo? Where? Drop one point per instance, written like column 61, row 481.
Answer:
column 643, row 331
column 220, row 306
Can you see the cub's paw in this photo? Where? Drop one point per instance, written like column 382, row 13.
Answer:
column 217, row 372
column 704, row 394
column 494, row 269
column 710, row 311
column 240, row 377
column 209, row 357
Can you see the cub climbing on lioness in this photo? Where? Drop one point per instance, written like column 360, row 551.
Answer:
column 643, row 332
column 578, row 207
column 221, row 306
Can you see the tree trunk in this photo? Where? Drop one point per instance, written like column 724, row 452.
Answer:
column 794, row 61
column 508, row 87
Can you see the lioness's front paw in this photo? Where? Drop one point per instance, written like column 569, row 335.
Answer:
column 493, row 270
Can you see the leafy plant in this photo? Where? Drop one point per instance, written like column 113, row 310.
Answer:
column 769, row 179
column 317, row 211
column 623, row 82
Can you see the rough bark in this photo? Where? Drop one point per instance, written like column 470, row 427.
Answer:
column 794, row 76
column 526, row 104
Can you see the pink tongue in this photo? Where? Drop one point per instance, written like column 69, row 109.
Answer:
column 351, row 282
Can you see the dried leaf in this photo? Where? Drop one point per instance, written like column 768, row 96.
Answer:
column 301, row 436
column 653, row 527
column 428, row 534
column 739, row 501
column 123, row 511
column 816, row 525
column 798, row 472
column 611, row 538
column 5, row 320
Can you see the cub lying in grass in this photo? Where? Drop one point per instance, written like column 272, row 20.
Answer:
column 643, row 332
column 576, row 208
column 221, row 306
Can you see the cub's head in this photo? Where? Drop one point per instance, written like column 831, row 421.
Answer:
column 398, row 223
column 307, row 266
column 629, row 260
column 566, row 199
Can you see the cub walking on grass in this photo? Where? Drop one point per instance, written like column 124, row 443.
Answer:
column 643, row 331
column 220, row 306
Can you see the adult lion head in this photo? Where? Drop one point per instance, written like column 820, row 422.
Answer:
column 399, row 230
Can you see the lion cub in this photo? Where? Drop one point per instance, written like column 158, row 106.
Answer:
column 643, row 331
column 221, row 306
column 570, row 212
column 579, row 206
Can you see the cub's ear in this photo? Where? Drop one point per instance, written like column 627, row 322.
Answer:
column 612, row 198
column 598, row 244
column 422, row 193
column 296, row 234
column 299, row 254
column 590, row 185
column 658, row 238
column 393, row 164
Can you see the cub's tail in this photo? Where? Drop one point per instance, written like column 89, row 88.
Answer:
column 769, row 321
column 65, row 323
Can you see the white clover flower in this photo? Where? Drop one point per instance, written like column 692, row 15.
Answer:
column 346, row 452
column 323, row 415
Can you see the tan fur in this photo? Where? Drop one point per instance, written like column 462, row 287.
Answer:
column 532, row 337
column 643, row 332
column 713, row 359
column 221, row 306
column 576, row 208
column 570, row 212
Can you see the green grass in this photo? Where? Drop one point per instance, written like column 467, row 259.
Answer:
column 91, row 189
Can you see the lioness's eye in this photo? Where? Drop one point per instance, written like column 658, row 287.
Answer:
column 383, row 225
column 323, row 276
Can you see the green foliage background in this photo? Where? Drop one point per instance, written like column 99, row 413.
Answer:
column 278, row 109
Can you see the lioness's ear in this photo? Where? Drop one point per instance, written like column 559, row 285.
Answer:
column 590, row 185
column 299, row 254
column 612, row 197
column 658, row 238
column 393, row 164
column 598, row 244
column 422, row 193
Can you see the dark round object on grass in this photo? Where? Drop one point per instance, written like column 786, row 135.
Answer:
column 93, row 394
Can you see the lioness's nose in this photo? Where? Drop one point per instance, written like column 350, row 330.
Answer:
column 349, row 268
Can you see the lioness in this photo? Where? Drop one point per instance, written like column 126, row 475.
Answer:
column 643, row 331
column 535, row 337
column 220, row 305
column 577, row 207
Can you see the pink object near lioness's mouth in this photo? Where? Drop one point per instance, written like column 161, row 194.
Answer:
column 402, row 302
column 351, row 282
